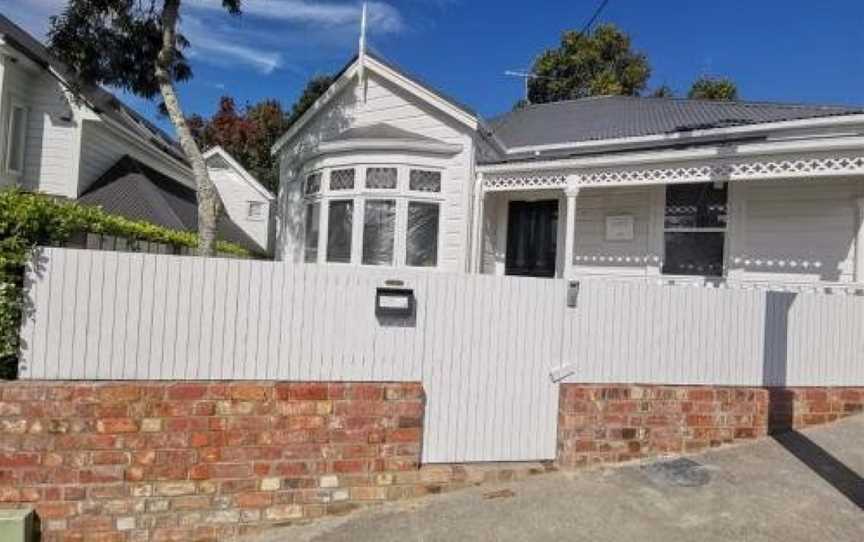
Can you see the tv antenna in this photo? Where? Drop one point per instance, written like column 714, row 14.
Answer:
column 527, row 76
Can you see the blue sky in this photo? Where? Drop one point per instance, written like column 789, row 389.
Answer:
column 777, row 50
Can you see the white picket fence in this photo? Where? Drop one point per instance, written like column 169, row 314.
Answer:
column 483, row 346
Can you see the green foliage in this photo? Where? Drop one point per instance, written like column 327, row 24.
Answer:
column 713, row 88
column 117, row 42
column 29, row 220
column 600, row 62
column 316, row 86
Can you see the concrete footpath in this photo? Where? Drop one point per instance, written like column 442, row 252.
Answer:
column 799, row 487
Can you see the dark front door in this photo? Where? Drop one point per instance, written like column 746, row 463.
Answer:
column 532, row 236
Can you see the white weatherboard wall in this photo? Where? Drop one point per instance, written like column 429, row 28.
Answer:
column 237, row 195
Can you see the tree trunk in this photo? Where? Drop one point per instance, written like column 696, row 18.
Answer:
column 209, row 204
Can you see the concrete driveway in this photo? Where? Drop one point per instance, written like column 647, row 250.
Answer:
column 801, row 487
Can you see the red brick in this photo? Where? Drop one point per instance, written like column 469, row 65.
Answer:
column 302, row 392
column 249, row 392
column 110, row 457
column 121, row 393
column 253, row 500
column 404, row 435
column 56, row 510
column 117, row 425
column 186, row 392
column 19, row 459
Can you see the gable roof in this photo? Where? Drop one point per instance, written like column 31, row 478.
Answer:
column 101, row 101
column 235, row 165
column 615, row 117
column 135, row 191
column 393, row 73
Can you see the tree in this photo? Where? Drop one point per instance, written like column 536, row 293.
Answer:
column 600, row 62
column 713, row 88
column 247, row 135
column 663, row 91
column 316, row 86
column 135, row 46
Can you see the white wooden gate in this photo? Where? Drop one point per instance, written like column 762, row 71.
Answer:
column 491, row 343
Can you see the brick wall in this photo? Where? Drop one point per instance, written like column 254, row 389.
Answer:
column 612, row 423
column 210, row 461
column 193, row 461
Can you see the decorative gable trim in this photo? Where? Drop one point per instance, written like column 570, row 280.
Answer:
column 394, row 76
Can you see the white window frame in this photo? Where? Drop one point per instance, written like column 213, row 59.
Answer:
column 401, row 195
column 15, row 103
column 256, row 217
column 724, row 230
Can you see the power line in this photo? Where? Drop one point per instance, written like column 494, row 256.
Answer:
column 594, row 17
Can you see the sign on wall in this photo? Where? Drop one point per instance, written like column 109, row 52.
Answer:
column 619, row 228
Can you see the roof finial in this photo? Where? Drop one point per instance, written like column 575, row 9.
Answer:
column 361, row 56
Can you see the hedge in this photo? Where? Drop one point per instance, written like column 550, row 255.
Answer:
column 29, row 220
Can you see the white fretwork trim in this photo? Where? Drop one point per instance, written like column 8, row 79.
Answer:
column 718, row 171
column 524, row 181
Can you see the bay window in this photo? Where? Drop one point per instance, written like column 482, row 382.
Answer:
column 695, row 229
column 396, row 209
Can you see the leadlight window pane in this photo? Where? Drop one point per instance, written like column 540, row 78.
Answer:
column 313, row 184
column 694, row 253
column 422, row 180
column 342, row 179
column 339, row 226
column 313, row 212
column 379, row 228
column 698, row 205
column 381, row 178
column 422, row 234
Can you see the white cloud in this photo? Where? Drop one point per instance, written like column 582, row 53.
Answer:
column 383, row 18
column 217, row 46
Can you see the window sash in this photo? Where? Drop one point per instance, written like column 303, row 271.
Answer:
column 312, row 184
column 255, row 210
column 424, row 180
column 422, row 234
column 379, row 231
column 15, row 149
column 313, row 220
column 382, row 178
column 695, row 222
column 342, row 179
column 340, row 225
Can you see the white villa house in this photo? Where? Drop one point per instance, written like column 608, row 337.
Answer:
column 384, row 170
column 92, row 148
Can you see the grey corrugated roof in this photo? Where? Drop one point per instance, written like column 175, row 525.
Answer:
column 131, row 189
column 611, row 117
column 103, row 101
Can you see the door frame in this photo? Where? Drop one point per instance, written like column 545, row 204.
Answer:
column 499, row 205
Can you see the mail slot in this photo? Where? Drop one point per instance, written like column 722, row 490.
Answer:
column 394, row 302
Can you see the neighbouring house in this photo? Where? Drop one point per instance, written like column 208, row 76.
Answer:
column 89, row 146
column 384, row 170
